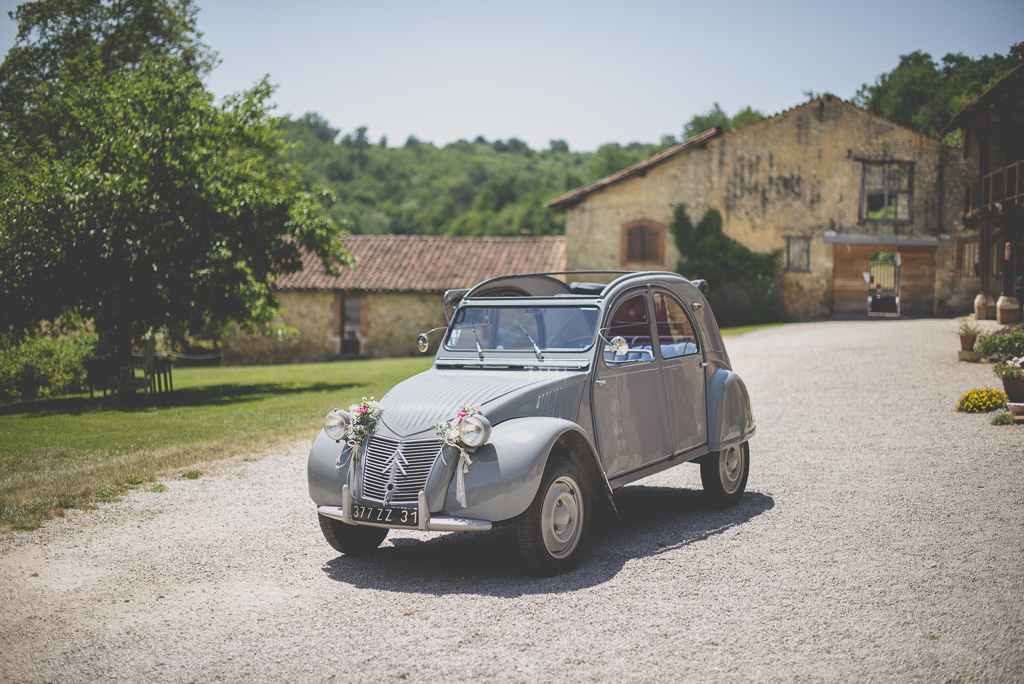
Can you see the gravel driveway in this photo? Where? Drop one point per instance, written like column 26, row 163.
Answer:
column 880, row 539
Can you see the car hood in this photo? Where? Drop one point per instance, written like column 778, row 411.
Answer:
column 413, row 406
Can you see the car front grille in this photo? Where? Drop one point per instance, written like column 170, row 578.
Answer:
column 417, row 457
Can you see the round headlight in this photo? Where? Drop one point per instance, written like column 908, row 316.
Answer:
column 335, row 423
column 475, row 430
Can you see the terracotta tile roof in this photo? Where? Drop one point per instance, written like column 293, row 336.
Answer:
column 424, row 263
column 570, row 198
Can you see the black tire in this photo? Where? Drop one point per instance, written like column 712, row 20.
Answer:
column 351, row 540
column 724, row 475
column 552, row 533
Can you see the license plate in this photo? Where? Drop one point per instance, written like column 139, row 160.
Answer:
column 400, row 517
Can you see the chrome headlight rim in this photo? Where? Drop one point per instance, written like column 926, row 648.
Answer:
column 475, row 430
column 335, row 423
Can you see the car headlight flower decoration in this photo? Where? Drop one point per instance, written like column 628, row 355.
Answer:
column 467, row 431
column 354, row 426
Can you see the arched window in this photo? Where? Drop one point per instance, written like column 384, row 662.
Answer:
column 643, row 242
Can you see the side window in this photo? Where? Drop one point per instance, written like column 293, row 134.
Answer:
column 676, row 336
column 630, row 321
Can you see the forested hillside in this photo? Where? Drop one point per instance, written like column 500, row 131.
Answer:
column 499, row 187
column 465, row 188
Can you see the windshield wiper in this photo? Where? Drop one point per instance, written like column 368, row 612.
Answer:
column 479, row 350
column 536, row 349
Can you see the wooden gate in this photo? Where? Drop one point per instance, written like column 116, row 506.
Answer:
column 916, row 286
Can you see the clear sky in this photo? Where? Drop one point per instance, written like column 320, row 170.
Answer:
column 586, row 72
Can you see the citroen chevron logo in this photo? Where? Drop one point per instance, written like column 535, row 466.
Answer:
column 397, row 461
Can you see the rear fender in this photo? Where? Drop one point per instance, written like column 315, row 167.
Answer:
column 506, row 472
column 730, row 419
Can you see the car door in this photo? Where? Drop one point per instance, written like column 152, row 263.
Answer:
column 628, row 412
column 682, row 373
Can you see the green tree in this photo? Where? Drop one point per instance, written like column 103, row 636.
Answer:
column 320, row 127
column 559, row 146
column 716, row 116
column 58, row 38
column 924, row 95
column 138, row 202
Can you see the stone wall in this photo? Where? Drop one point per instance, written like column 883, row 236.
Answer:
column 389, row 326
column 797, row 174
column 311, row 314
column 391, row 323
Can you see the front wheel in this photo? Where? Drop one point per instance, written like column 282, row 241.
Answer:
column 552, row 532
column 351, row 540
column 724, row 475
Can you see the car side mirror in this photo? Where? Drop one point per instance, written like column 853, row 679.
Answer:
column 422, row 343
column 619, row 346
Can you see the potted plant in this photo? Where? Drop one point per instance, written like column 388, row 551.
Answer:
column 1012, row 374
column 968, row 335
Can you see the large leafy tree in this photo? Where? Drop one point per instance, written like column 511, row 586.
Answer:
column 924, row 95
column 129, row 197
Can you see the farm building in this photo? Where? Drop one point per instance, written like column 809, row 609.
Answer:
column 393, row 292
column 844, row 193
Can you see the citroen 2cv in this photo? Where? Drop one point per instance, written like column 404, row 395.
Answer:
column 543, row 398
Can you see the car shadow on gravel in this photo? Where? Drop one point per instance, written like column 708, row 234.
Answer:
column 652, row 521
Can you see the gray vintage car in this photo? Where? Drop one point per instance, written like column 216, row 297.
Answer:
column 543, row 398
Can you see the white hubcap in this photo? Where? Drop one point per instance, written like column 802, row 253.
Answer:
column 562, row 517
column 730, row 468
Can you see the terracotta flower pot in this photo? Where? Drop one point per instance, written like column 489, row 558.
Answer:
column 967, row 342
column 1014, row 388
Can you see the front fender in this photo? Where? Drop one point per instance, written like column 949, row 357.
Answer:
column 325, row 480
column 507, row 471
column 730, row 419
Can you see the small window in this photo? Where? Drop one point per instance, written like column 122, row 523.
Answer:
column 675, row 334
column 968, row 264
column 630, row 321
column 887, row 192
column 798, row 253
column 643, row 242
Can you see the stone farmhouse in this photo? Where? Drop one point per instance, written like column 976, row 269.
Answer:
column 841, row 191
column 393, row 292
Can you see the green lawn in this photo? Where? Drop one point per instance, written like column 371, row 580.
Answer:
column 65, row 452
column 739, row 330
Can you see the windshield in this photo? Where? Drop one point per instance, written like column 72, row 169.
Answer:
column 507, row 328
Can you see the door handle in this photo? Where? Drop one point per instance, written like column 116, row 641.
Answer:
column 703, row 364
column 600, row 383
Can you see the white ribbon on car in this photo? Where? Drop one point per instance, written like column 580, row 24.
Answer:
column 353, row 458
column 461, row 468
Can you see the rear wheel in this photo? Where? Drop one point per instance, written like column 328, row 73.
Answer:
column 724, row 475
column 552, row 532
column 351, row 540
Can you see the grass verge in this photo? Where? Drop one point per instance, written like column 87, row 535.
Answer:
column 66, row 453
column 741, row 329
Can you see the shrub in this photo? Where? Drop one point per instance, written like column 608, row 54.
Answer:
column 1001, row 418
column 984, row 400
column 744, row 287
column 1006, row 342
column 968, row 328
column 42, row 367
